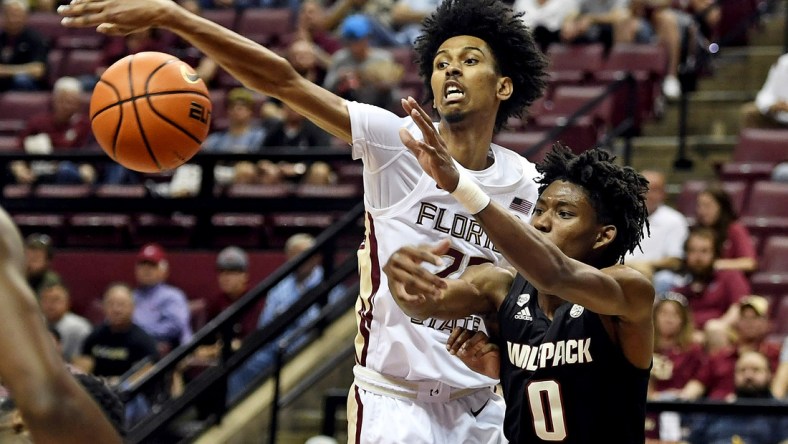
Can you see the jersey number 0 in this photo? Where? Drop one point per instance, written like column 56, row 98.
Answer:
column 547, row 410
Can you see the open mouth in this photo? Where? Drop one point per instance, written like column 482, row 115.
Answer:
column 452, row 92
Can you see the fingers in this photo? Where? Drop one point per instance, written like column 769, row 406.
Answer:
column 441, row 248
column 415, row 146
column 457, row 339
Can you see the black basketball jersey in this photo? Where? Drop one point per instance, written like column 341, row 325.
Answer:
column 565, row 380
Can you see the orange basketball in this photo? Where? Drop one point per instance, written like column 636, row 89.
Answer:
column 150, row 112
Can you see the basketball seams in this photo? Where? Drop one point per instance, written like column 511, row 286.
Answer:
column 120, row 119
column 162, row 116
column 137, row 115
column 169, row 136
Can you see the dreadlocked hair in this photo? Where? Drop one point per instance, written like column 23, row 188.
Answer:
column 616, row 193
column 516, row 54
column 106, row 398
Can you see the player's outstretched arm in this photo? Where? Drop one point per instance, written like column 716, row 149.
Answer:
column 254, row 65
column 421, row 294
column 53, row 405
column 615, row 291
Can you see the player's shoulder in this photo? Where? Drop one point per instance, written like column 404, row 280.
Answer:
column 631, row 280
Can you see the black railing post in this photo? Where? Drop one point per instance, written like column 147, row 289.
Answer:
column 682, row 162
column 278, row 362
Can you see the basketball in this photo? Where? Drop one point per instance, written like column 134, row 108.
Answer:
column 150, row 112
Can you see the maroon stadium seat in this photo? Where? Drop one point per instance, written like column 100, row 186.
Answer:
column 336, row 191
column 260, row 190
column 761, row 145
column 98, row 230
column 121, row 191
column 225, row 17
column 689, row 194
column 243, row 230
column 519, row 141
column 17, row 107
column 768, row 199
column 9, row 144
column 51, row 224
column 264, row 25
column 62, row 191
column 746, row 171
column 47, row 24
column 772, row 274
column 647, row 63
column 283, row 225
column 81, row 62
column 574, row 63
column 173, row 231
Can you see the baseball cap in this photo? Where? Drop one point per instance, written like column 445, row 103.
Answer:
column 355, row 27
column 39, row 241
column 241, row 95
column 758, row 303
column 152, row 253
column 232, row 259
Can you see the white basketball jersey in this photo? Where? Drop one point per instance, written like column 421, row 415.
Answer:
column 404, row 206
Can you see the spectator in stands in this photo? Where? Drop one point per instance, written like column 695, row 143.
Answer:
column 344, row 76
column 377, row 13
column 654, row 21
column 115, row 48
column 544, row 18
column 64, row 127
column 23, row 52
column 310, row 27
column 160, row 309
column 244, row 134
column 746, row 335
column 677, row 360
column 279, row 300
column 309, row 60
column 406, row 18
column 115, row 346
column 596, row 21
column 707, row 14
column 752, row 378
column 712, row 293
column 780, row 384
column 662, row 250
column 232, row 267
column 715, row 211
column 73, row 329
column 770, row 109
column 38, row 262
column 294, row 131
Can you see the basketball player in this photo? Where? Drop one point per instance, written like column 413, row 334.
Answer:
column 54, row 407
column 480, row 66
column 575, row 332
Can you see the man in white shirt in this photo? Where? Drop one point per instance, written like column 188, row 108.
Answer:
column 770, row 109
column 545, row 17
column 663, row 247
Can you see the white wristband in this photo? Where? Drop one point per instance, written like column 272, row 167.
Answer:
column 467, row 193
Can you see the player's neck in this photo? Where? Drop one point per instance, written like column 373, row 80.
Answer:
column 468, row 144
column 549, row 304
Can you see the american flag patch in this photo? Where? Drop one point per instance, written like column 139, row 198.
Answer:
column 521, row 205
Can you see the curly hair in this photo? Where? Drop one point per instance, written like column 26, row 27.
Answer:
column 515, row 52
column 616, row 193
column 106, row 398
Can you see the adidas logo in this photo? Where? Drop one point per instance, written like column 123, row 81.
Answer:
column 524, row 315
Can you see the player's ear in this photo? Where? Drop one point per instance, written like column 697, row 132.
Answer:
column 505, row 88
column 605, row 236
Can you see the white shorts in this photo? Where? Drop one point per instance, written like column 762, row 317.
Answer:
column 374, row 417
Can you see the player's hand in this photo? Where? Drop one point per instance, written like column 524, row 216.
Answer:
column 116, row 17
column 432, row 153
column 410, row 283
column 476, row 351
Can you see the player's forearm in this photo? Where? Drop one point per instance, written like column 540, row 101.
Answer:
column 254, row 65
column 62, row 413
column 529, row 251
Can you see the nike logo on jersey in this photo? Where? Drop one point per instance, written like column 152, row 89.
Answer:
column 549, row 354
column 524, row 315
column 475, row 413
